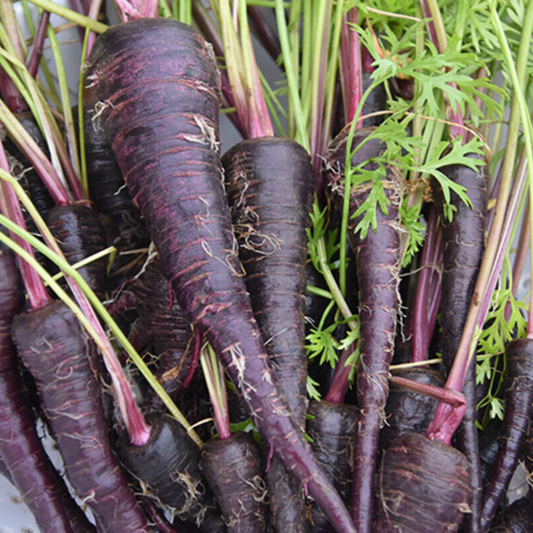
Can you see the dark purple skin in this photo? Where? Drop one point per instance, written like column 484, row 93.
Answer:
column 516, row 518
column 106, row 185
column 269, row 184
column 51, row 344
column 161, row 322
column 378, row 265
column 518, row 410
column 169, row 466
column 408, row 411
column 80, row 234
column 464, row 242
column 423, row 487
column 332, row 428
column 28, row 467
column 232, row 467
column 162, row 118
column 488, row 447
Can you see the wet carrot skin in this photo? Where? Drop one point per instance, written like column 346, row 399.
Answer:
column 51, row 345
column 162, row 121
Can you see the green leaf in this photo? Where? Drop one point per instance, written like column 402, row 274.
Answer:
column 312, row 390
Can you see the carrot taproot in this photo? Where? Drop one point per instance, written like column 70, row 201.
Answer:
column 51, row 345
column 518, row 409
column 423, row 487
column 27, row 464
column 270, row 183
column 332, row 429
column 162, row 119
column 378, row 264
column 464, row 239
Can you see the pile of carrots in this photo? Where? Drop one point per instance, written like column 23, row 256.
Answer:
column 327, row 314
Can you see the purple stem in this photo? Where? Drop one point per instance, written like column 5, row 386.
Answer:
column 340, row 382
column 265, row 33
column 352, row 67
column 34, row 58
column 195, row 358
column 428, row 283
column 430, row 26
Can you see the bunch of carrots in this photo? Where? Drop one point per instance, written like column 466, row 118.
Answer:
column 321, row 328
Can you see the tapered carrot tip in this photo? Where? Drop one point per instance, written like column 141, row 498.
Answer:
column 423, row 487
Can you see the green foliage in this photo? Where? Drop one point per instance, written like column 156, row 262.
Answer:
column 497, row 332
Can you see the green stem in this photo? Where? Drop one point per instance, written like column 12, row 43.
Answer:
column 68, row 14
column 292, row 81
column 335, row 291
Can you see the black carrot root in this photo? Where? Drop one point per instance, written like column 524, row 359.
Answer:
column 162, row 118
column 378, row 263
column 80, row 234
column 408, row 411
column 518, row 410
column 161, row 322
column 488, row 448
column 464, row 238
column 232, row 467
column 516, row 518
column 332, row 429
column 423, row 487
column 168, row 464
column 106, row 185
column 28, row 466
column 270, row 184
column 50, row 343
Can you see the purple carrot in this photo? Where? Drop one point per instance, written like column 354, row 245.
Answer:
column 80, row 234
column 332, row 429
column 168, row 464
column 378, row 264
column 28, row 465
column 516, row 518
column 518, row 411
column 161, row 322
column 423, row 487
column 232, row 467
column 270, row 185
column 464, row 238
column 51, row 344
column 106, row 185
column 162, row 118
column 408, row 411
